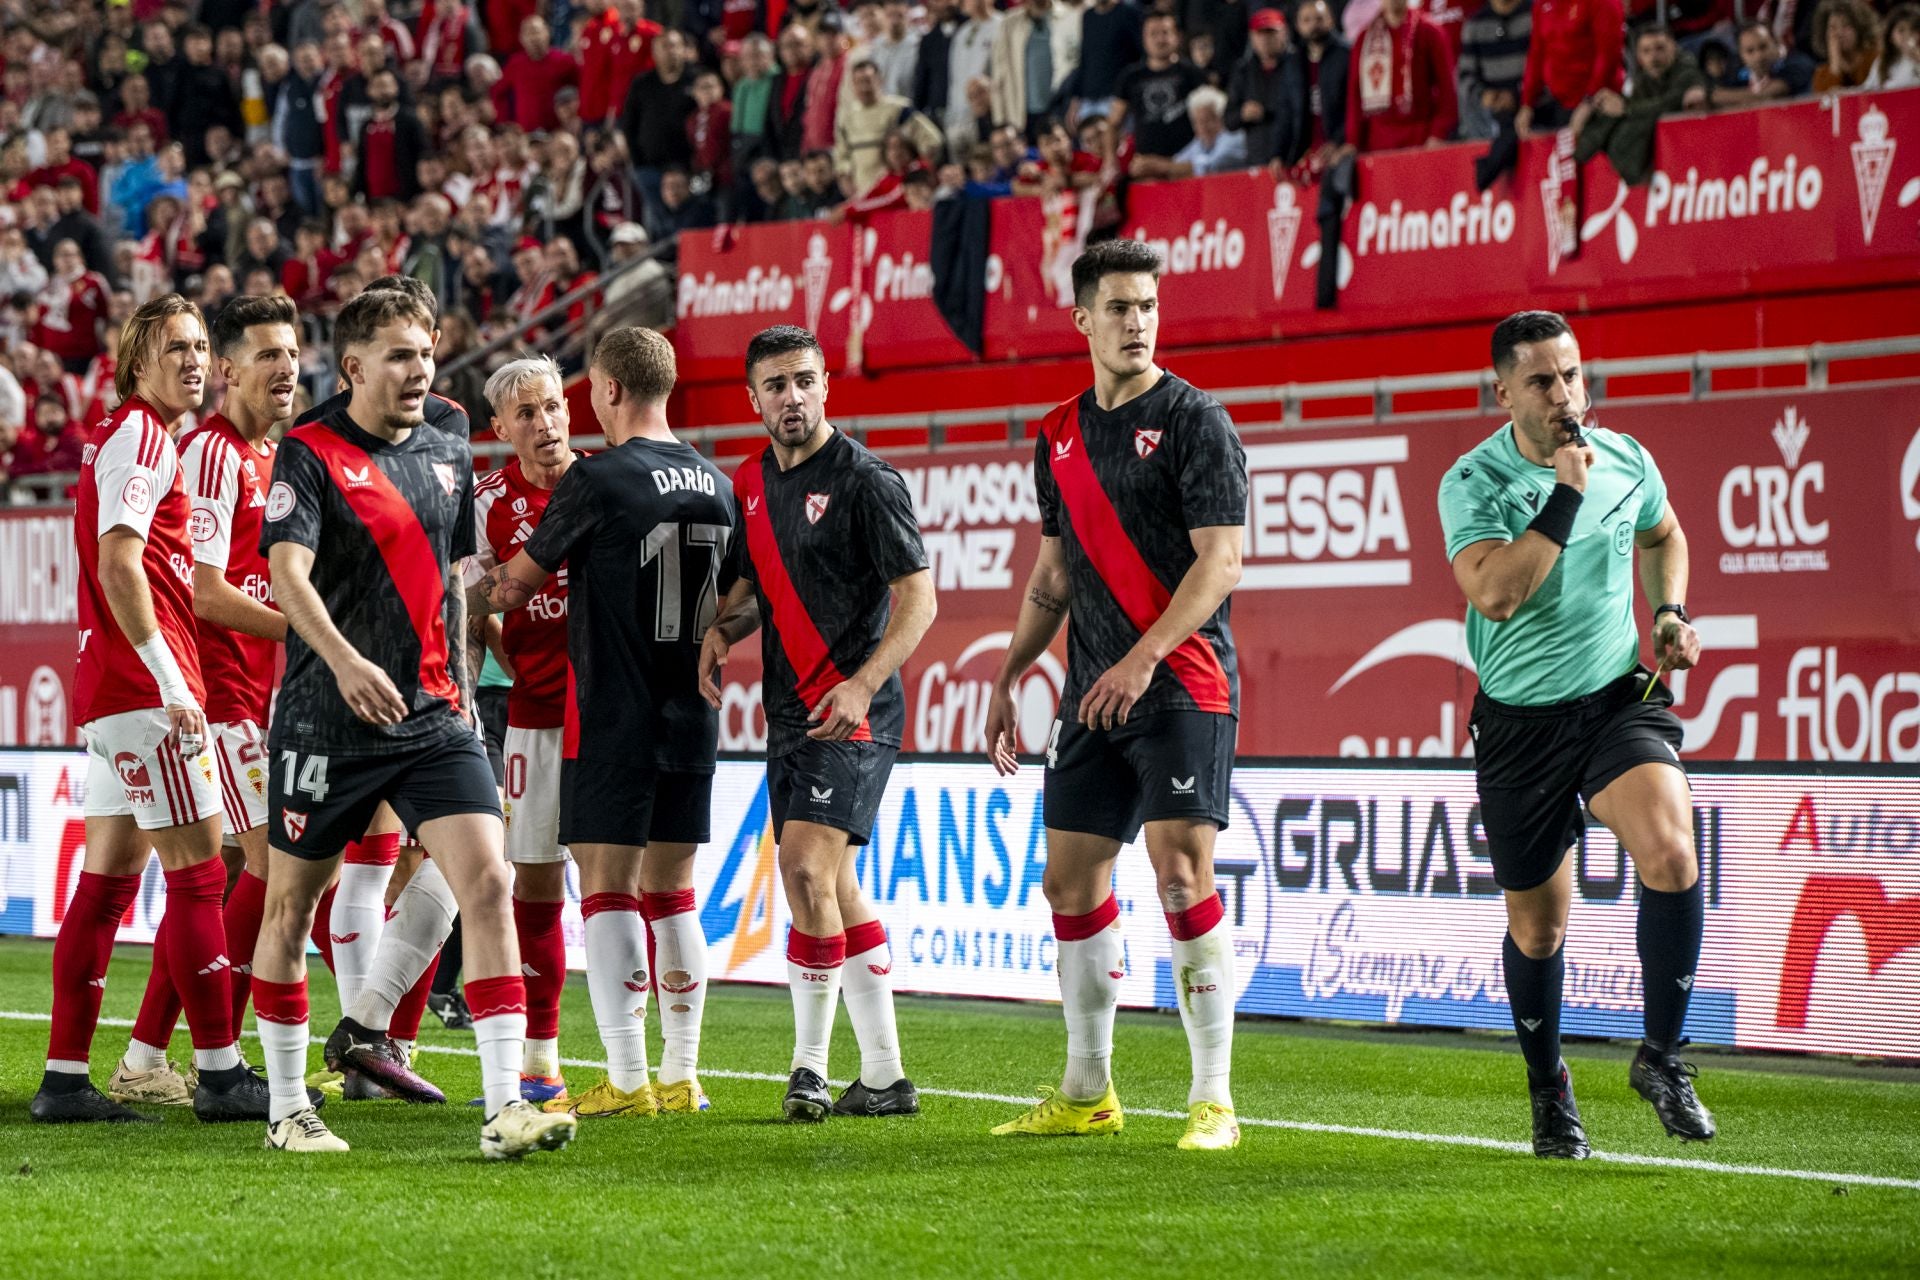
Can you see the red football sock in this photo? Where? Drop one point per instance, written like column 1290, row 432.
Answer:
column 322, row 915
column 543, row 959
column 405, row 1023
column 196, row 943
column 160, row 1006
column 80, row 956
column 244, row 908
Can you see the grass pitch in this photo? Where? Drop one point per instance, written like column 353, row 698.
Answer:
column 740, row 1193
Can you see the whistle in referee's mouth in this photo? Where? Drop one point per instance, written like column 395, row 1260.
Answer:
column 1575, row 437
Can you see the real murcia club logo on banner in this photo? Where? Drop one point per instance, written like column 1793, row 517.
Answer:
column 1872, row 162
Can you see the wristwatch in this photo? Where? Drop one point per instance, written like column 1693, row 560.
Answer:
column 1677, row 610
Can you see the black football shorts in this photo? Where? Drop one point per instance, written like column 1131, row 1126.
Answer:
column 1536, row 764
column 319, row 803
column 1169, row 764
column 602, row 802
column 836, row 784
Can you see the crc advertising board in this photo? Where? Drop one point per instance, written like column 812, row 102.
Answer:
column 1354, row 892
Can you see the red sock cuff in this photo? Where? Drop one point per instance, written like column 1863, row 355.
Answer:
column 862, row 938
column 594, row 903
column 381, row 850
column 658, row 906
column 199, row 880
column 537, row 917
column 114, row 894
column 492, row 997
column 1080, row 928
column 1197, row 920
column 281, row 1002
column 810, row 952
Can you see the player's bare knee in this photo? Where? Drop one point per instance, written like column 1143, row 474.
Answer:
column 1668, row 866
column 807, row 879
column 1537, row 939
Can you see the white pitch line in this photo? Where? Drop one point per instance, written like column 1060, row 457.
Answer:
column 1298, row 1126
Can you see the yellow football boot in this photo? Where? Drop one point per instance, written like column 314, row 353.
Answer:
column 605, row 1100
column 1210, row 1127
column 1058, row 1116
column 682, row 1097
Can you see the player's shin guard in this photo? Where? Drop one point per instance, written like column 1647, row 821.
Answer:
column 500, row 1031
column 280, row 1013
column 1204, row 983
column 1091, row 962
column 159, row 1009
column 617, row 981
column 245, row 906
column 1533, row 992
column 543, row 961
column 1668, row 932
column 197, row 957
column 867, row 986
column 680, row 976
column 813, row 974
column 422, row 918
column 81, row 951
column 360, row 911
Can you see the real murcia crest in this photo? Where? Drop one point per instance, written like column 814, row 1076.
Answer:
column 1283, row 228
column 1872, row 162
column 815, row 270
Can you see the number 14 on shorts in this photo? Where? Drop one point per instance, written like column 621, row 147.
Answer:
column 310, row 777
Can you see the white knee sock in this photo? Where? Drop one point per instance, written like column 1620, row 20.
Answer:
column 813, row 976
column 617, row 984
column 280, row 1014
column 866, row 984
column 1203, row 983
column 422, row 920
column 501, row 1040
column 359, row 918
column 680, row 974
column 1091, row 961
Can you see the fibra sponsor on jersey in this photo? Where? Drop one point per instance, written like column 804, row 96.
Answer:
column 1326, row 513
column 1769, row 514
column 969, row 515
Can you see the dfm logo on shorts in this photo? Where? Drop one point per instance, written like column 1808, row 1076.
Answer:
column 134, row 777
column 1767, row 508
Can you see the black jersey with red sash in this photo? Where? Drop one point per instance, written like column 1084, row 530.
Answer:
column 384, row 520
column 1122, row 490
column 824, row 541
column 441, row 413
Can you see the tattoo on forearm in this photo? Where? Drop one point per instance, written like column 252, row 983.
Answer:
column 504, row 591
column 1046, row 600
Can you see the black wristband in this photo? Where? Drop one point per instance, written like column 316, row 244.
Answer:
column 1555, row 520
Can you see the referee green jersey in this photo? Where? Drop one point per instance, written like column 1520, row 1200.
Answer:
column 1576, row 632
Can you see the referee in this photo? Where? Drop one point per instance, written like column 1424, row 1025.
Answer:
column 1541, row 522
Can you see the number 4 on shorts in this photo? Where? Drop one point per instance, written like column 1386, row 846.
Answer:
column 310, row 777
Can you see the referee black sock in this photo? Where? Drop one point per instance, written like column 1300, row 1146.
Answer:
column 1533, row 989
column 1668, row 932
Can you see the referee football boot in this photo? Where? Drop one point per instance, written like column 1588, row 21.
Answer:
column 1557, row 1131
column 807, row 1097
column 1056, row 1115
column 375, row 1055
column 897, row 1099
column 1666, row 1082
column 163, row 1086
column 59, row 1102
column 234, row 1094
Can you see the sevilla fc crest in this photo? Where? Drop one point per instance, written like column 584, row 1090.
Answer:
column 295, row 823
column 444, row 473
column 1145, row 442
column 816, row 506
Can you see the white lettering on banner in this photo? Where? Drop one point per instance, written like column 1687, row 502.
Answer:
column 901, row 279
column 1462, row 223
column 743, row 721
column 1762, row 190
column 39, row 565
column 950, row 501
column 1909, row 484
column 760, row 290
column 950, row 713
column 1884, row 721
column 1219, row 247
column 1320, row 513
column 1768, row 507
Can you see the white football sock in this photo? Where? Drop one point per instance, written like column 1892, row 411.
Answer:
column 422, row 920
column 816, row 993
column 867, row 987
column 1090, row 971
column 501, row 1040
column 222, row 1059
column 617, row 987
column 1204, row 985
column 542, row 1058
column 680, row 950
column 141, row 1056
column 284, row 1045
column 359, row 917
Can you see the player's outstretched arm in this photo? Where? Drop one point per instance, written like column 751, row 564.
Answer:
column 1041, row 615
column 845, row 705
column 1210, row 579
column 1663, row 576
column 368, row 691
column 738, row 618
column 123, row 579
column 225, row 605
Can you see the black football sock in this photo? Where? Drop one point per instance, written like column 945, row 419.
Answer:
column 1533, row 989
column 1668, row 932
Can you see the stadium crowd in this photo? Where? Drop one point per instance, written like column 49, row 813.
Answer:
column 510, row 151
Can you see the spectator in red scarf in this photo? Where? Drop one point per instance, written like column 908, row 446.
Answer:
column 1400, row 92
column 615, row 46
column 532, row 77
column 447, row 34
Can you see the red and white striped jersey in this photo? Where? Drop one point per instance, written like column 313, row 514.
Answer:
column 227, row 481
column 130, row 477
column 506, row 509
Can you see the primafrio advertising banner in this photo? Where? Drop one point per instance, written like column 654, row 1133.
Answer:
column 1357, row 893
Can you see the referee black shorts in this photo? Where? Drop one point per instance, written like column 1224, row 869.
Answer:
column 1536, row 764
column 318, row 804
column 1166, row 764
